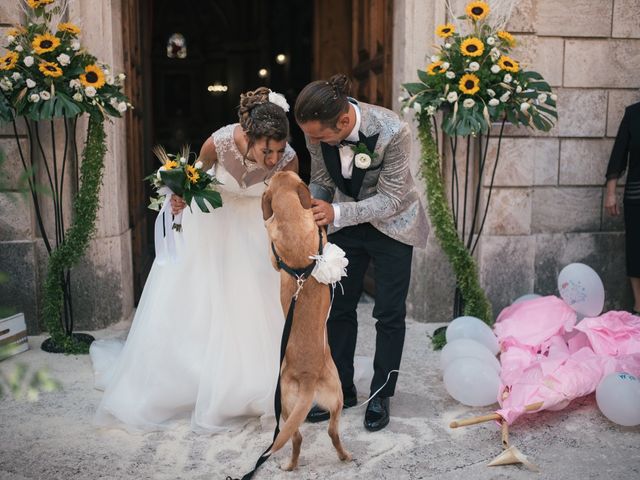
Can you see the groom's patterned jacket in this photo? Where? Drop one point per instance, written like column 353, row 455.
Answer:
column 384, row 194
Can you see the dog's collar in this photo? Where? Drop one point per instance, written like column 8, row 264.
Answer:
column 298, row 273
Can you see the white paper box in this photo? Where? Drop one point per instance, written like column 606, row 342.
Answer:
column 13, row 333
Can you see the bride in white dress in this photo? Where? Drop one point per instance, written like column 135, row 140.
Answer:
column 206, row 334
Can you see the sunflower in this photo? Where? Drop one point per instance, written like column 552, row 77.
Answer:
column 9, row 61
column 50, row 69
column 508, row 64
column 477, row 10
column 93, row 76
column 15, row 31
column 69, row 28
column 39, row 3
column 445, row 30
column 431, row 69
column 192, row 174
column 170, row 165
column 472, row 47
column 45, row 43
column 469, row 84
column 507, row 37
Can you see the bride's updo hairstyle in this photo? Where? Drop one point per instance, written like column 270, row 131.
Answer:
column 323, row 100
column 260, row 118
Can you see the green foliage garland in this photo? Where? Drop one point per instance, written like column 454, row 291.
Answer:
column 475, row 301
column 78, row 236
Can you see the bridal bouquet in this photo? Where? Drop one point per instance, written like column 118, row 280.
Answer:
column 179, row 176
column 46, row 72
column 474, row 79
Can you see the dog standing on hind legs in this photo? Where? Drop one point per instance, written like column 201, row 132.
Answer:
column 308, row 372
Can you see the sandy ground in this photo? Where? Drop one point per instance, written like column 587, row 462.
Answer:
column 53, row 438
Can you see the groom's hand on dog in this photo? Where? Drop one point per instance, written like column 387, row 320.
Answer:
column 177, row 204
column 322, row 212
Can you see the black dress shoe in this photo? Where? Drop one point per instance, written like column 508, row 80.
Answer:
column 319, row 414
column 377, row 414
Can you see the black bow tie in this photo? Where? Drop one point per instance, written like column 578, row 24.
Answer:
column 345, row 143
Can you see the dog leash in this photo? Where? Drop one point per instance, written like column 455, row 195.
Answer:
column 301, row 275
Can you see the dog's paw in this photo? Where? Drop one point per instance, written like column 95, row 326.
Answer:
column 345, row 456
column 289, row 467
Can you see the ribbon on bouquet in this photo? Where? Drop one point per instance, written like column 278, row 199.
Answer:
column 164, row 234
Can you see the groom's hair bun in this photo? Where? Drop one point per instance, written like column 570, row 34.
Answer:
column 324, row 100
column 260, row 118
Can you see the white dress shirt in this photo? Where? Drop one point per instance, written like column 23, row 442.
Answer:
column 346, row 159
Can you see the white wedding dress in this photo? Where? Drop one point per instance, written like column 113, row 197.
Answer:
column 206, row 335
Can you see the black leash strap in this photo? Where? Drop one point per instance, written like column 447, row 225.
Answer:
column 301, row 275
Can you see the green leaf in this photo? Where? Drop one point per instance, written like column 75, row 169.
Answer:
column 414, row 88
column 174, row 179
column 423, row 76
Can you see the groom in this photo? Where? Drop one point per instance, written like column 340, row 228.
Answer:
column 363, row 190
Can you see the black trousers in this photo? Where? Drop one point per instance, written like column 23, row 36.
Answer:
column 632, row 238
column 392, row 266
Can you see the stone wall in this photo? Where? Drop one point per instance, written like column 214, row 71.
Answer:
column 547, row 206
column 102, row 282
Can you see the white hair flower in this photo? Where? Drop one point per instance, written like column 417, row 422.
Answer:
column 279, row 100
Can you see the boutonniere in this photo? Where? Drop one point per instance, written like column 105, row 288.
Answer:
column 363, row 157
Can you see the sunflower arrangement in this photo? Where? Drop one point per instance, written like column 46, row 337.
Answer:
column 183, row 176
column 473, row 79
column 46, row 73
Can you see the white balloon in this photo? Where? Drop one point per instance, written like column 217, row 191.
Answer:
column 475, row 329
column 618, row 398
column 524, row 298
column 465, row 347
column 581, row 287
column 472, row 383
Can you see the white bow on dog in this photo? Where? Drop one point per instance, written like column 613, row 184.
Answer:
column 331, row 266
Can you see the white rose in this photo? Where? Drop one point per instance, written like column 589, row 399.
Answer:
column 198, row 165
column 452, row 97
column 10, row 38
column 435, row 58
column 34, row 97
column 362, row 160
column 63, row 59
column 28, row 61
column 30, row 83
column 75, row 45
column 122, row 107
column 542, row 97
column 554, row 97
column 518, row 89
column 491, row 92
column 90, row 92
column 19, row 48
column 16, row 76
column 445, row 66
column 474, row 66
column 450, row 75
column 494, row 102
column 507, row 78
column 77, row 97
column 491, row 41
column 75, row 83
column 44, row 95
column 5, row 84
column 417, row 107
column 495, row 54
column 468, row 103
column 279, row 100
column 495, row 68
column 182, row 160
column 121, row 77
column 431, row 110
column 505, row 97
column 447, row 46
column 524, row 106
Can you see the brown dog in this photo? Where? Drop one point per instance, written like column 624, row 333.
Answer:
column 308, row 371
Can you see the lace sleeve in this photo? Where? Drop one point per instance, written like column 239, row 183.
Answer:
column 223, row 141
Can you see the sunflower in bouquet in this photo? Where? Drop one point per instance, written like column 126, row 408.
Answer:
column 474, row 80
column 182, row 176
column 46, row 73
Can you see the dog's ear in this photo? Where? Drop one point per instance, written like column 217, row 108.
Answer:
column 304, row 195
column 267, row 211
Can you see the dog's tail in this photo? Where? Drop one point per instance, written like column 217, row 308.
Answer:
column 297, row 416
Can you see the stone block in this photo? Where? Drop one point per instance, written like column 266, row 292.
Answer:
column 523, row 162
column 534, row 53
column 601, row 63
column 509, row 212
column 625, row 19
column 507, row 268
column 584, row 161
column 10, row 13
column 604, row 252
column 618, row 101
column 579, row 18
column 12, row 171
column 568, row 209
column 582, row 113
column 19, row 293
column 15, row 221
column 523, row 17
column 432, row 287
